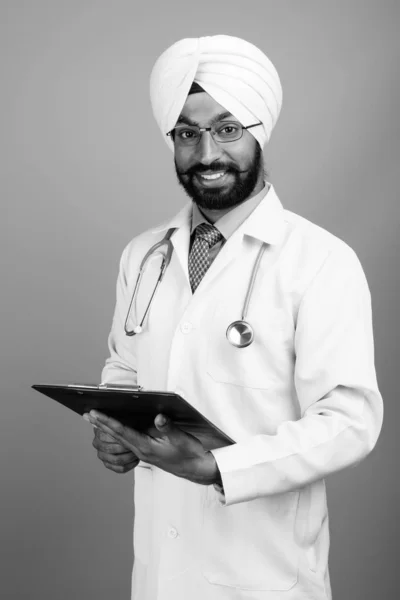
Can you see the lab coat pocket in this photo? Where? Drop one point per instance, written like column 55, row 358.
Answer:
column 253, row 366
column 251, row 545
column 143, row 494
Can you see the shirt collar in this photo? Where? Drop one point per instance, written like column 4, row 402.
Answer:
column 265, row 222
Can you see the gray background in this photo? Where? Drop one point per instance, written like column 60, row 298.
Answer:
column 83, row 168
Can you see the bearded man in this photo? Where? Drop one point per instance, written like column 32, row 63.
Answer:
column 296, row 390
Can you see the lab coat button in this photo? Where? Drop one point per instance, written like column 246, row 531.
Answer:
column 172, row 533
column 186, row 327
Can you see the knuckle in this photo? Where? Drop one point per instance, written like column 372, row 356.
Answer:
column 115, row 459
column 116, row 448
column 119, row 429
column 126, row 468
column 105, row 458
column 115, row 468
column 131, row 466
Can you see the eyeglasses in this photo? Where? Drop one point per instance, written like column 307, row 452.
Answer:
column 222, row 132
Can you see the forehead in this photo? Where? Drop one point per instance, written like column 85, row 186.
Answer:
column 202, row 108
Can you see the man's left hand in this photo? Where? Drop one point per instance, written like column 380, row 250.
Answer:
column 173, row 450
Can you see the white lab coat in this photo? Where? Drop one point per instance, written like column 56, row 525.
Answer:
column 301, row 402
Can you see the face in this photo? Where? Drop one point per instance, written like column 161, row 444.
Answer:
column 217, row 176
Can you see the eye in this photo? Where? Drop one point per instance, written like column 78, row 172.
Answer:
column 185, row 133
column 228, row 130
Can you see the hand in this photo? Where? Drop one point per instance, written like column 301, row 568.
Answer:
column 172, row 450
column 113, row 455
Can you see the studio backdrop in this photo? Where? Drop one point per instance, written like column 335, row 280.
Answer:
column 83, row 169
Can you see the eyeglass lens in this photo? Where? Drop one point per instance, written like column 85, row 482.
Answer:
column 223, row 131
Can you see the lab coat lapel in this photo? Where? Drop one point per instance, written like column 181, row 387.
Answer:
column 180, row 238
column 180, row 242
column 266, row 224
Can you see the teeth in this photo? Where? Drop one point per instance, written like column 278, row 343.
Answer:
column 214, row 176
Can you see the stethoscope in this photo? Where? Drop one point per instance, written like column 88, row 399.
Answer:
column 239, row 333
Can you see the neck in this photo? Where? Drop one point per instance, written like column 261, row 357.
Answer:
column 214, row 215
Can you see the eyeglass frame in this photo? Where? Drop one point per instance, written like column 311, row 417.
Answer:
column 203, row 129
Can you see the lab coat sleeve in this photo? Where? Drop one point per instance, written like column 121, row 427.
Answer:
column 334, row 376
column 120, row 367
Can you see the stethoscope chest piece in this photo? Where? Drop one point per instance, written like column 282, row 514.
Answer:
column 240, row 334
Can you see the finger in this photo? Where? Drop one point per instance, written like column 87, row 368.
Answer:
column 107, row 425
column 104, row 437
column 121, row 469
column 125, row 435
column 110, row 448
column 86, row 417
column 117, row 459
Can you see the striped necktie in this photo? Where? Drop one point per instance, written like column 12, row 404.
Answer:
column 206, row 236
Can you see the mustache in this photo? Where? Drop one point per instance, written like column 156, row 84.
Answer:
column 214, row 167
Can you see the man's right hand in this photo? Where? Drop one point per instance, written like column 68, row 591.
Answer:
column 113, row 455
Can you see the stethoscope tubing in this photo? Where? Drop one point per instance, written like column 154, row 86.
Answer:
column 253, row 277
column 236, row 325
column 131, row 332
column 166, row 241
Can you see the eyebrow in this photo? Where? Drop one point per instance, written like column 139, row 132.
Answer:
column 219, row 117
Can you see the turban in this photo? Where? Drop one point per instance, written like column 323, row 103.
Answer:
column 232, row 71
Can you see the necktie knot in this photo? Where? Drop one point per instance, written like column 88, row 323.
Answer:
column 206, row 236
column 209, row 233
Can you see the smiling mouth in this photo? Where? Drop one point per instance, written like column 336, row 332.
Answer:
column 212, row 176
column 213, row 179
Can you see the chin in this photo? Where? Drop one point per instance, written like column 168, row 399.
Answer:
column 222, row 199
column 216, row 200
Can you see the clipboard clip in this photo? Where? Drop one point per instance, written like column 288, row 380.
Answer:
column 120, row 386
column 107, row 386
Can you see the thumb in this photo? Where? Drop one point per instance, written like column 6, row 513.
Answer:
column 168, row 428
column 163, row 424
column 175, row 435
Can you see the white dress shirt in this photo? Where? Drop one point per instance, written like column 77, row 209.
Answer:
column 229, row 222
column 301, row 402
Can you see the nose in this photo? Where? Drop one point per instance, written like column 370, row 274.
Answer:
column 208, row 150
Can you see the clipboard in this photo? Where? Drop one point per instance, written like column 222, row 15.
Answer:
column 135, row 407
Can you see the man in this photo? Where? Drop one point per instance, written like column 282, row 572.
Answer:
column 246, row 521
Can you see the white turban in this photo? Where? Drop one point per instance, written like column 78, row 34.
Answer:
column 232, row 71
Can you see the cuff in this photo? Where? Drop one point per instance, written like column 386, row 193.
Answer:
column 220, row 493
column 239, row 480
column 226, row 491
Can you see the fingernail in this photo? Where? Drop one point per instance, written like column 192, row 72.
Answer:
column 161, row 420
column 86, row 417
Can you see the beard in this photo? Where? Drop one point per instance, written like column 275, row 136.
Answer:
column 220, row 198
